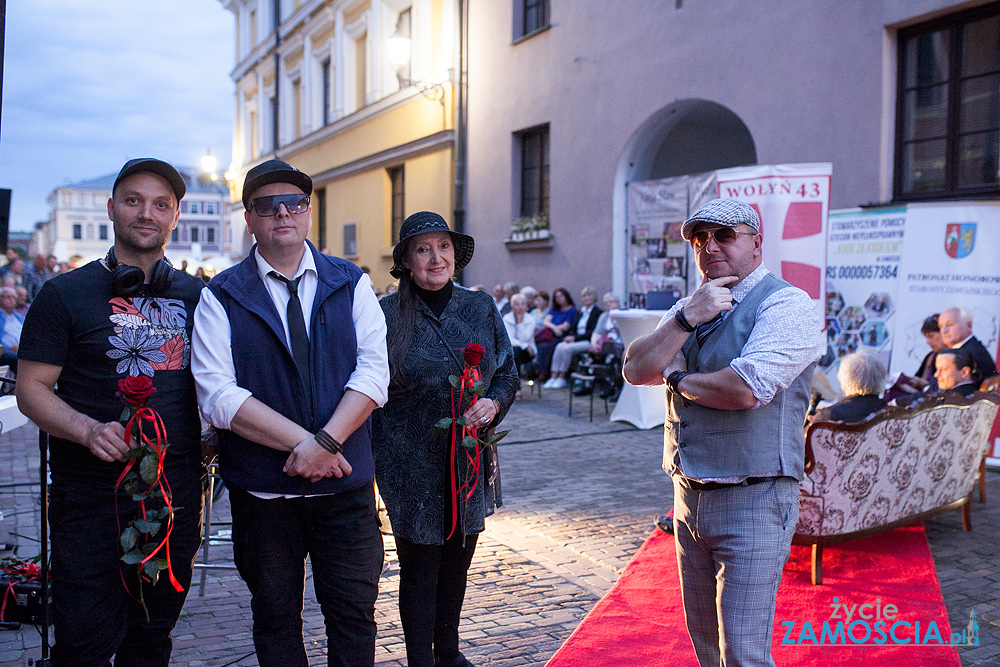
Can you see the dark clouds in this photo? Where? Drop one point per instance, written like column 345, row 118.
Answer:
column 89, row 85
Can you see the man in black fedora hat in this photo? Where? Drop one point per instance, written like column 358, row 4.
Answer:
column 290, row 360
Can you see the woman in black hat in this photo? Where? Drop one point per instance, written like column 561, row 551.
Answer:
column 420, row 471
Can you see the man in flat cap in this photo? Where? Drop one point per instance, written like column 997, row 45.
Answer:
column 737, row 358
column 290, row 360
column 125, row 318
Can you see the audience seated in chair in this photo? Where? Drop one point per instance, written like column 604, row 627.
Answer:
column 10, row 327
column 955, row 371
column 862, row 377
column 520, row 327
column 577, row 338
column 556, row 325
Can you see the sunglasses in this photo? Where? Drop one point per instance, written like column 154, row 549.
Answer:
column 722, row 235
column 268, row 206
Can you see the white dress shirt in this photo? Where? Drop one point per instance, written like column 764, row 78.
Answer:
column 220, row 397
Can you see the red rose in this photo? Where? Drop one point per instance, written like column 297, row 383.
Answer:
column 473, row 354
column 136, row 391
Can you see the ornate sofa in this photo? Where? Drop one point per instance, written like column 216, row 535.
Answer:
column 897, row 467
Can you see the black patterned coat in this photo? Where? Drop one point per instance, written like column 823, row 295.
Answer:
column 411, row 459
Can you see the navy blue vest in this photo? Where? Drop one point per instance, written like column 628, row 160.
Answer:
column 266, row 368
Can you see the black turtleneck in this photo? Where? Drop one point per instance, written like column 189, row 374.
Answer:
column 436, row 300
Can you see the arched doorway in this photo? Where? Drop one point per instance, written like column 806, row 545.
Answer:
column 686, row 137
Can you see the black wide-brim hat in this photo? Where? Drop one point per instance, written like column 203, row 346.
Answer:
column 423, row 223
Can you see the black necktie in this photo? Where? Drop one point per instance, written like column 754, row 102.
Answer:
column 297, row 332
column 705, row 329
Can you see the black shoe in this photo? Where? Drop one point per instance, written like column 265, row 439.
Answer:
column 458, row 661
column 664, row 523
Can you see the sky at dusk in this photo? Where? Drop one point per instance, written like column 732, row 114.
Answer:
column 90, row 85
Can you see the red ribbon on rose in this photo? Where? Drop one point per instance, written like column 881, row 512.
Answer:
column 465, row 467
column 144, row 462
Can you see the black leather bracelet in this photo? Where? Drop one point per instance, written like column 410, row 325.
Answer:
column 682, row 321
column 674, row 379
column 328, row 442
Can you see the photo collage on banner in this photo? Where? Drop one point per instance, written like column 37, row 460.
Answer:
column 659, row 262
column 862, row 284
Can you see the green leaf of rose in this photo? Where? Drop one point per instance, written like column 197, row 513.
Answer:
column 469, row 442
column 128, row 538
column 498, row 436
column 455, row 381
column 148, row 467
column 479, row 387
column 133, row 557
column 134, row 453
column 151, row 569
column 146, row 526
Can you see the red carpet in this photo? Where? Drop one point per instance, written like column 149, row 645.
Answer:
column 640, row 622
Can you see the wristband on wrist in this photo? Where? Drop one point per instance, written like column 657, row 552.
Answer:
column 328, row 442
column 682, row 321
column 674, row 379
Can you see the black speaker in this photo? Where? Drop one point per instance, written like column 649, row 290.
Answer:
column 4, row 218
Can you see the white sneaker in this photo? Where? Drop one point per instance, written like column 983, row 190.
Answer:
column 549, row 383
column 558, row 383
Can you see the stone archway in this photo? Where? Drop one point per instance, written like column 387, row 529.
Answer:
column 686, row 137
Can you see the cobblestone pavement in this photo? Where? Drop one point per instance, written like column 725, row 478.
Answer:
column 579, row 497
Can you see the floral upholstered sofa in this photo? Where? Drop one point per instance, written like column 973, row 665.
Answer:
column 899, row 466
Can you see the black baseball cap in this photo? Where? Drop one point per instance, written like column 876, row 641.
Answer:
column 158, row 167
column 274, row 171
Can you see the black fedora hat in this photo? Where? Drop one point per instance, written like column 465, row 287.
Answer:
column 422, row 223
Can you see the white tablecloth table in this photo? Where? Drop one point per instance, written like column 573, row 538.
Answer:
column 10, row 416
column 643, row 407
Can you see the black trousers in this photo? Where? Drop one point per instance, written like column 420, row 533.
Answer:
column 339, row 533
column 432, row 579
column 95, row 618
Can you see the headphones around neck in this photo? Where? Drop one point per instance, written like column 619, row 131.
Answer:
column 127, row 281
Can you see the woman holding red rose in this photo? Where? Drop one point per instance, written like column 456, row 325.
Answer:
column 436, row 330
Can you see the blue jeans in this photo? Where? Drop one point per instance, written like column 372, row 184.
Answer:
column 339, row 533
column 94, row 616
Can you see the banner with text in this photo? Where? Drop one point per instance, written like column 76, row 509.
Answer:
column 952, row 261
column 862, row 284
column 793, row 201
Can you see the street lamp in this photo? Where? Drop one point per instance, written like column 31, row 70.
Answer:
column 209, row 164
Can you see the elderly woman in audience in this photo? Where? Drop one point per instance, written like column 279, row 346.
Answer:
column 520, row 327
column 862, row 377
column 578, row 338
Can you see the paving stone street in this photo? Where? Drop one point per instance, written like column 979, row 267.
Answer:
column 579, row 500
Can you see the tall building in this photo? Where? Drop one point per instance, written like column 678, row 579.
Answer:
column 78, row 229
column 317, row 86
column 571, row 100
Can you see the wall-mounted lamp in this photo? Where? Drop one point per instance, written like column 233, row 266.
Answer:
column 400, row 52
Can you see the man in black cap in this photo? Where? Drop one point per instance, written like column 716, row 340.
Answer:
column 126, row 318
column 290, row 360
